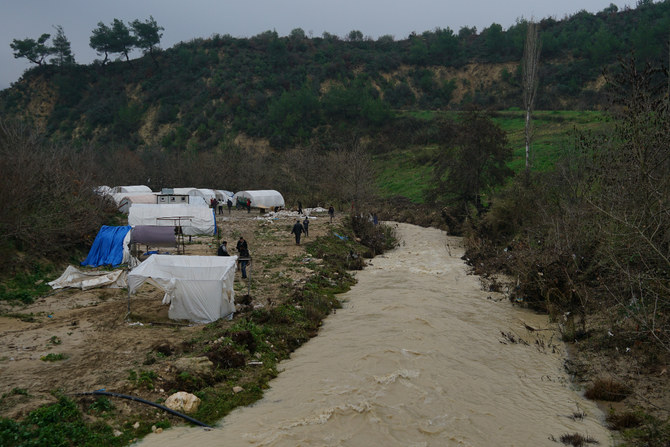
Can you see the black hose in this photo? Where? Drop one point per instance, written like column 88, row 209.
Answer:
column 153, row 404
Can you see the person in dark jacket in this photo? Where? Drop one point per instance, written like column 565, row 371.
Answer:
column 223, row 249
column 305, row 226
column 243, row 253
column 230, row 205
column 297, row 230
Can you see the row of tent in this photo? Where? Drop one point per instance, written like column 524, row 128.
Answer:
column 128, row 195
column 194, row 216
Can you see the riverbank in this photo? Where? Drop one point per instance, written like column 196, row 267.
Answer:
column 77, row 341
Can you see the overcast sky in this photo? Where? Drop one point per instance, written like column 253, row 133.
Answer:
column 184, row 20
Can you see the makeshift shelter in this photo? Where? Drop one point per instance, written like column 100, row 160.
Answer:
column 222, row 195
column 132, row 188
column 207, row 194
column 119, row 196
column 197, row 288
column 85, row 280
column 131, row 199
column 266, row 198
column 193, row 219
column 186, row 191
column 110, row 247
column 102, row 190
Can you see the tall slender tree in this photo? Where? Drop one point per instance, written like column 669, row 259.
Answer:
column 61, row 48
column 531, row 58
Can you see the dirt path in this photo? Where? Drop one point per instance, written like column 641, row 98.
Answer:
column 101, row 346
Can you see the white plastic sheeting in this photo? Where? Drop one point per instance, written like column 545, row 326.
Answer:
column 130, row 199
column 223, row 195
column 73, row 277
column 207, row 194
column 197, row 288
column 265, row 198
column 131, row 188
column 194, row 219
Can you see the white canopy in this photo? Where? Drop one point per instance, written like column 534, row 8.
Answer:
column 197, row 288
column 194, row 219
column 265, row 198
column 132, row 188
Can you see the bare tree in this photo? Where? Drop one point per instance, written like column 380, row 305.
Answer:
column 352, row 173
column 531, row 58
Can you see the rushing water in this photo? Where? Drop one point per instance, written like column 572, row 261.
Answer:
column 419, row 355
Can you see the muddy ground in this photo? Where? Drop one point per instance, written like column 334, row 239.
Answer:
column 103, row 343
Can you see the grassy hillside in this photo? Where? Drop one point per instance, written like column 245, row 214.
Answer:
column 406, row 172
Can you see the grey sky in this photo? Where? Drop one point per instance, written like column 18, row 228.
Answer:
column 187, row 19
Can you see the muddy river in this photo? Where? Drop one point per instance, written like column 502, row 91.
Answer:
column 419, row 355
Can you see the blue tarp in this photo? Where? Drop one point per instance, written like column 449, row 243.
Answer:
column 107, row 247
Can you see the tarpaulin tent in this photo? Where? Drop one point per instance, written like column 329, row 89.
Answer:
column 207, row 194
column 222, row 195
column 131, row 188
column 110, row 247
column 193, row 219
column 131, row 199
column 118, row 197
column 197, row 288
column 265, row 198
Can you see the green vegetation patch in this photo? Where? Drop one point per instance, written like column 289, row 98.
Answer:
column 59, row 424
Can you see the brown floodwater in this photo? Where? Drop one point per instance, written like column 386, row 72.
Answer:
column 419, row 355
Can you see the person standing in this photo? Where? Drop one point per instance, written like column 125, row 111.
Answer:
column 230, row 205
column 299, row 207
column 248, row 205
column 219, row 203
column 305, row 226
column 297, row 230
column 243, row 253
column 331, row 213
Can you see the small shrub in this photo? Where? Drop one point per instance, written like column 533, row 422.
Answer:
column 101, row 405
column 577, row 440
column 51, row 357
column 621, row 421
column 607, row 390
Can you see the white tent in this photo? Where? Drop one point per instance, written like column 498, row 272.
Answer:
column 130, row 199
column 197, row 288
column 119, row 196
column 133, row 188
column 102, row 190
column 194, row 219
column 222, row 195
column 207, row 194
column 186, row 191
column 266, row 198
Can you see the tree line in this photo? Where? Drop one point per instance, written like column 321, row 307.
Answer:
column 116, row 38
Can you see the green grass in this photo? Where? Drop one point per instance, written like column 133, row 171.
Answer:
column 407, row 172
column 554, row 132
column 404, row 173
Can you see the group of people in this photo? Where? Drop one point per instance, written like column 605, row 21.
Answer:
column 215, row 204
column 300, row 228
column 242, row 251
